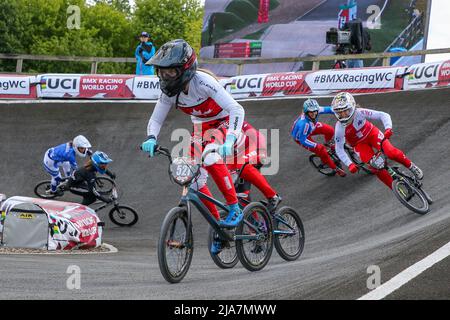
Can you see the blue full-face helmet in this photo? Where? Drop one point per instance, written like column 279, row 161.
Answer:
column 100, row 160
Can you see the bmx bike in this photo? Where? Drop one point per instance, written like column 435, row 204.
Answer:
column 406, row 187
column 121, row 215
column 176, row 241
column 317, row 164
column 288, row 230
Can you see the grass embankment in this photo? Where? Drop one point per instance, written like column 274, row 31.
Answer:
column 393, row 21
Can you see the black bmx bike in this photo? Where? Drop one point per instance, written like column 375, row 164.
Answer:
column 406, row 187
column 176, row 241
column 121, row 215
column 324, row 169
column 288, row 230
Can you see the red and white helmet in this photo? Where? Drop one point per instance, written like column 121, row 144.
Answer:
column 344, row 106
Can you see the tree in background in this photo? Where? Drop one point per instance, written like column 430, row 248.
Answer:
column 166, row 20
column 121, row 5
column 109, row 28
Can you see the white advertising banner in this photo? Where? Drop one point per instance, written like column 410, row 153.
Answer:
column 244, row 86
column 17, row 86
column 146, row 87
column 372, row 79
column 425, row 75
column 59, row 85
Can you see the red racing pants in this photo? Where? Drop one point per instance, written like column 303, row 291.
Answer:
column 328, row 132
column 249, row 148
column 365, row 150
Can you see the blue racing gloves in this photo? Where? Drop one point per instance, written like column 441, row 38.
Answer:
column 226, row 149
column 149, row 146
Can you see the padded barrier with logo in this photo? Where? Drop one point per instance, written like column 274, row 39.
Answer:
column 47, row 224
column 377, row 79
column 14, row 86
column 25, row 225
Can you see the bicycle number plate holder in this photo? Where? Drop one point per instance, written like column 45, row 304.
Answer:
column 377, row 161
column 184, row 170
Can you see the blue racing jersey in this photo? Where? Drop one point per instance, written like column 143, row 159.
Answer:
column 62, row 153
column 303, row 127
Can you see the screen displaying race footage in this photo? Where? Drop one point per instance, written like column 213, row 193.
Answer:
column 291, row 28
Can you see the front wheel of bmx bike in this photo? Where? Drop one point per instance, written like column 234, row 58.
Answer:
column 175, row 245
column 410, row 196
column 289, row 233
column 123, row 216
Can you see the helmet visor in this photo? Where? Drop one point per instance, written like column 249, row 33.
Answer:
column 168, row 74
column 343, row 115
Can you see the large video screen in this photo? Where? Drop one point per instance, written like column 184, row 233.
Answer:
column 291, row 28
column 437, row 36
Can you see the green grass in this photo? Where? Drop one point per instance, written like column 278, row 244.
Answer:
column 256, row 35
column 226, row 23
column 243, row 9
column 393, row 21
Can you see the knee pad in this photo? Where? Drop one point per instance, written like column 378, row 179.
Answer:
column 210, row 156
column 201, row 180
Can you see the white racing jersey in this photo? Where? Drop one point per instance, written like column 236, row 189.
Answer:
column 206, row 100
column 358, row 130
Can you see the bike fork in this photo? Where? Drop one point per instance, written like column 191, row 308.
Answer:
column 189, row 225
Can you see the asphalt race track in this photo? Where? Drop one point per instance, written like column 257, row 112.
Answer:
column 350, row 223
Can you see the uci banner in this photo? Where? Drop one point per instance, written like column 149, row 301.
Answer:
column 427, row 75
column 267, row 85
column 86, row 86
column 316, row 82
column 74, row 86
column 378, row 79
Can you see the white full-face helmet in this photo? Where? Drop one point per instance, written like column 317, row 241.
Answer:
column 80, row 142
column 344, row 107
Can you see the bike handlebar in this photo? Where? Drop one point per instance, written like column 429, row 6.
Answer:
column 161, row 150
column 166, row 152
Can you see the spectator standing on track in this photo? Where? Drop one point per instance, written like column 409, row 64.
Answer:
column 144, row 51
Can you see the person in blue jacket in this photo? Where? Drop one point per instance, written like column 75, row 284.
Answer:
column 144, row 51
column 63, row 156
column 307, row 125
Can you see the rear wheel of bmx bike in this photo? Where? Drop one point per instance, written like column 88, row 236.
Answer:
column 254, row 254
column 174, row 252
column 42, row 190
column 104, row 185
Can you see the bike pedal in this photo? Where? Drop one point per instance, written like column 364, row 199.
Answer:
column 230, row 232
